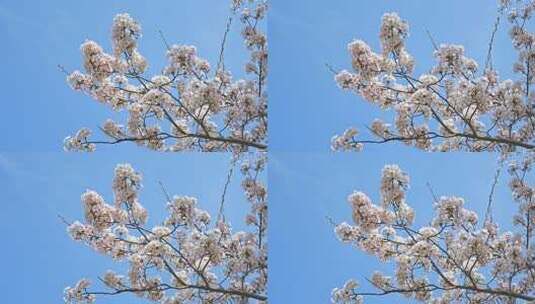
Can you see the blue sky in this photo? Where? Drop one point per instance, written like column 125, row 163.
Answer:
column 39, row 181
column 307, row 260
column 307, row 183
column 39, row 35
column 306, row 106
column 37, row 187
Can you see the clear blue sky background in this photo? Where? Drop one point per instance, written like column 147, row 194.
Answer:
column 39, row 181
column 306, row 259
column 306, row 106
column 39, row 35
column 39, row 259
column 307, row 109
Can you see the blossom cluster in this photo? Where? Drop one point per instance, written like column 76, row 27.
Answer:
column 191, row 105
column 188, row 258
column 457, row 104
column 457, row 258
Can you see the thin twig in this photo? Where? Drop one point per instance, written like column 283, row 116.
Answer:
column 64, row 220
column 435, row 46
column 488, row 212
column 164, row 40
column 331, row 68
column 62, row 69
column 488, row 62
column 167, row 196
column 221, row 62
column 221, row 212
column 435, row 198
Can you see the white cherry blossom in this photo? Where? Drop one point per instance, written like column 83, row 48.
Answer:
column 190, row 257
column 457, row 104
column 458, row 258
column 192, row 105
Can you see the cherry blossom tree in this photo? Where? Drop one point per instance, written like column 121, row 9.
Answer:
column 188, row 258
column 190, row 104
column 459, row 257
column 457, row 104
